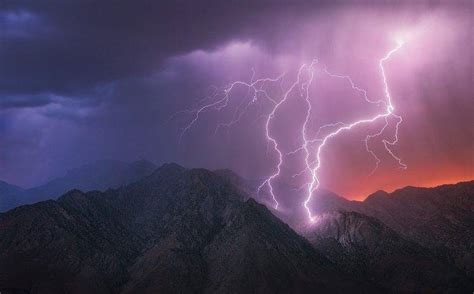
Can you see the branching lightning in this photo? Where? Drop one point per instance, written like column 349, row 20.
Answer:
column 389, row 111
column 270, row 138
column 222, row 99
column 312, row 148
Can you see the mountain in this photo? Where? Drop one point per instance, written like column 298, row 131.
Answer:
column 99, row 175
column 440, row 219
column 10, row 195
column 369, row 249
column 177, row 230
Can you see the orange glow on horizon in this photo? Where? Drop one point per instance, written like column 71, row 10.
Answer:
column 428, row 177
column 391, row 188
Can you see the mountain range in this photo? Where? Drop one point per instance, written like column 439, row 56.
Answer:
column 176, row 231
column 99, row 175
column 184, row 230
column 440, row 219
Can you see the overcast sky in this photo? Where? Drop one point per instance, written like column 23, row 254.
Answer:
column 88, row 80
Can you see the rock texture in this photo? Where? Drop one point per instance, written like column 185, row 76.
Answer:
column 372, row 251
column 441, row 219
column 176, row 231
column 196, row 231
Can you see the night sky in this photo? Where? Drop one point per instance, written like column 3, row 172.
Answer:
column 88, row 80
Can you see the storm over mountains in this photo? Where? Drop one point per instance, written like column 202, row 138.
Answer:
column 98, row 97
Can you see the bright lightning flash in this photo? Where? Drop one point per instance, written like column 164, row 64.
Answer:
column 256, row 91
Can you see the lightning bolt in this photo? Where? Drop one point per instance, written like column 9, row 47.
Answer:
column 221, row 99
column 255, row 91
column 270, row 138
column 389, row 111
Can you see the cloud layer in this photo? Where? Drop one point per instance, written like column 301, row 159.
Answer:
column 86, row 80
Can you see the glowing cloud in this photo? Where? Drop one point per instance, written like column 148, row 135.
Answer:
column 301, row 87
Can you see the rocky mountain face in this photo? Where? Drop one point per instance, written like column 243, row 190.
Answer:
column 441, row 219
column 372, row 251
column 437, row 221
column 99, row 175
column 177, row 230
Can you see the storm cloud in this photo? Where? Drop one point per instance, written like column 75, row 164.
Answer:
column 87, row 80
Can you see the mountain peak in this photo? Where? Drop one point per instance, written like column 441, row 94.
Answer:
column 179, row 230
column 171, row 166
column 98, row 175
column 371, row 250
column 167, row 168
column 380, row 194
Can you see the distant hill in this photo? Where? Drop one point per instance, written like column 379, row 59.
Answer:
column 175, row 231
column 99, row 175
column 10, row 196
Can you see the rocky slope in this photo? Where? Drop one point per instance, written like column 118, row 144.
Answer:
column 370, row 250
column 177, row 230
column 440, row 219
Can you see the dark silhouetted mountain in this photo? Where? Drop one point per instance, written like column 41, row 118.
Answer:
column 10, row 195
column 175, row 231
column 99, row 175
column 327, row 201
column 440, row 219
column 369, row 249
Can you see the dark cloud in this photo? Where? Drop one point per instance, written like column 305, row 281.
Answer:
column 24, row 101
column 68, row 47
column 72, row 46
column 82, row 80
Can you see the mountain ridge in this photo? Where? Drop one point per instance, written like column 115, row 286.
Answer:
column 176, row 229
column 440, row 219
column 98, row 175
column 366, row 247
column 182, row 220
